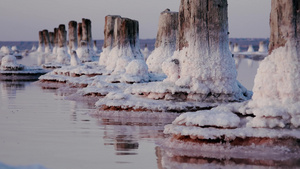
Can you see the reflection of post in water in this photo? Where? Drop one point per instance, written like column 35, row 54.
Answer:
column 9, row 88
column 124, row 144
column 188, row 159
column 123, row 131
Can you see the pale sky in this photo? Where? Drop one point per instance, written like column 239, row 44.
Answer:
column 20, row 20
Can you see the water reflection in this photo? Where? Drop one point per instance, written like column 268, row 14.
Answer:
column 185, row 159
column 9, row 88
column 124, row 133
column 247, row 69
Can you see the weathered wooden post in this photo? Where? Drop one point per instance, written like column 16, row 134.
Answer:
column 126, row 42
column 203, row 61
column 51, row 38
column 87, row 32
column 41, row 47
column 73, row 35
column 236, row 48
column 284, row 22
column 95, row 48
column 84, row 52
column 108, row 38
column 55, row 40
column 62, row 54
column 121, row 50
column 48, row 46
column 277, row 78
column 263, row 47
column 62, row 36
column 79, row 34
column 165, row 44
column 250, row 49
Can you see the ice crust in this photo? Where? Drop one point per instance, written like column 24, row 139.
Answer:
column 9, row 62
column 165, row 45
column 273, row 111
column 217, row 117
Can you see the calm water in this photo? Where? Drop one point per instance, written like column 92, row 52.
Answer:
column 40, row 129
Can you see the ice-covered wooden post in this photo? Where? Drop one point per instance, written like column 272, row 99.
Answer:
column 165, row 44
column 62, row 36
column 126, row 42
column 72, row 35
column 284, row 14
column 51, row 38
column 87, row 32
column 41, row 42
column 278, row 75
column 55, row 40
column 236, row 48
column 263, row 47
column 109, row 31
column 108, row 38
column 277, row 82
column 62, row 54
column 273, row 113
column 121, row 50
column 84, row 51
column 95, row 48
column 48, row 47
column 203, row 61
column 79, row 34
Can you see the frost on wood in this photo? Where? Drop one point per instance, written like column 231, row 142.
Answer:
column 79, row 34
column 48, row 46
column 72, row 35
column 277, row 83
column 121, row 47
column 108, row 38
column 165, row 44
column 55, row 40
column 284, row 22
column 85, row 34
column 41, row 46
column 51, row 38
column 203, row 61
column 62, row 53
column 263, row 47
column 272, row 117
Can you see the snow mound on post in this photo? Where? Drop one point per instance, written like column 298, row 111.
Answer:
column 165, row 44
column 121, row 51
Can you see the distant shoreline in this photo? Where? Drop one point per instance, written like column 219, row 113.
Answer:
column 243, row 42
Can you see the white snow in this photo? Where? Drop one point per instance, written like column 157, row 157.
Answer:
column 62, row 55
column 84, row 53
column 203, row 72
column 236, row 48
column 250, row 49
column 5, row 50
column 216, row 117
column 75, row 61
column 9, row 62
column 263, row 48
column 146, row 53
column 273, row 111
column 158, row 56
column 166, row 37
